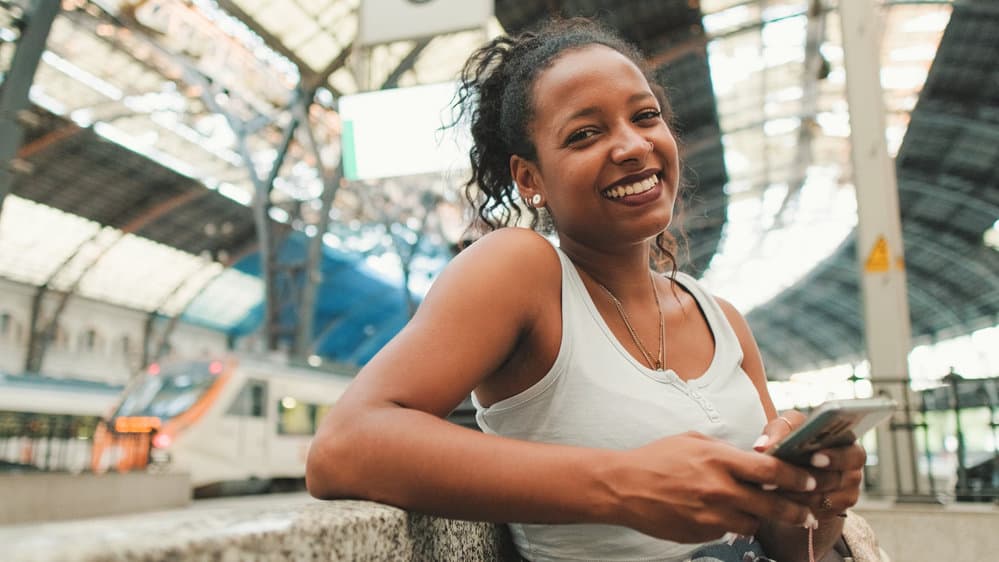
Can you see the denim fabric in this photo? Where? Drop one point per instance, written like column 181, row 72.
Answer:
column 741, row 550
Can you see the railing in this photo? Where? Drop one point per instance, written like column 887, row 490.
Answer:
column 46, row 442
column 953, row 428
column 938, row 422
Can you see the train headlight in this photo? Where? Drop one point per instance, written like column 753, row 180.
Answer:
column 162, row 440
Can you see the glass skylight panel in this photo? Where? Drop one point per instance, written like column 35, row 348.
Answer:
column 85, row 257
column 138, row 273
column 764, row 68
column 315, row 52
column 315, row 30
column 29, row 252
column 176, row 302
column 226, row 300
column 67, row 92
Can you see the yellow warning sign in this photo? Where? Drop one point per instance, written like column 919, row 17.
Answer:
column 879, row 260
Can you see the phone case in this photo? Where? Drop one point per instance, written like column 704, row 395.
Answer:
column 833, row 424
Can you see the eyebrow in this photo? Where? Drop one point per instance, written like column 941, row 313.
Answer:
column 587, row 111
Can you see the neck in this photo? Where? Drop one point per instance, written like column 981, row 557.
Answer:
column 622, row 269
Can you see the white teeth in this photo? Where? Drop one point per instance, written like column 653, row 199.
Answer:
column 631, row 189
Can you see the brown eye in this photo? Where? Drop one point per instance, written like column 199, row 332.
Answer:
column 579, row 136
column 648, row 114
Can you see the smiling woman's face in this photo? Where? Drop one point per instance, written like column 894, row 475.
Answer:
column 607, row 165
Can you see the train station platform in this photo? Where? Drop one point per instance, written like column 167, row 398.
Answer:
column 298, row 527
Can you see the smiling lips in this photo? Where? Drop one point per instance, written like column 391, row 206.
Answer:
column 640, row 186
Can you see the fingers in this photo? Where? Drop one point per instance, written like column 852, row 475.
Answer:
column 776, row 507
column 778, row 428
column 769, row 471
column 832, row 499
column 851, row 457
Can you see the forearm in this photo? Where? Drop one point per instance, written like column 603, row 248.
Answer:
column 419, row 462
column 786, row 543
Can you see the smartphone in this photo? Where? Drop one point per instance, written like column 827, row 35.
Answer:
column 833, row 424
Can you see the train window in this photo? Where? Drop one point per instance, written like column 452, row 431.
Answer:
column 319, row 414
column 295, row 418
column 250, row 400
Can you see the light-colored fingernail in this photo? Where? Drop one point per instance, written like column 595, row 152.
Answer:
column 760, row 441
column 769, row 487
column 810, row 484
column 810, row 522
column 820, row 460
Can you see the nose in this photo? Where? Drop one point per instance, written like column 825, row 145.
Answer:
column 629, row 144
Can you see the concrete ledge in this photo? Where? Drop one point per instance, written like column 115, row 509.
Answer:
column 47, row 496
column 285, row 528
column 925, row 532
column 297, row 527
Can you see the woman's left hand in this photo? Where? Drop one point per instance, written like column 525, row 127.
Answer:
column 838, row 470
column 841, row 469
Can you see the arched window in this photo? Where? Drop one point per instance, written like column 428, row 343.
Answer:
column 6, row 325
column 90, row 340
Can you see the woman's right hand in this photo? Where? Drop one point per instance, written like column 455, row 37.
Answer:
column 694, row 488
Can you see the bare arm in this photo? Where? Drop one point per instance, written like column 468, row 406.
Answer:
column 782, row 541
column 385, row 439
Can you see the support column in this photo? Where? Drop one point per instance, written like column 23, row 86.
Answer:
column 304, row 339
column 267, row 246
column 17, row 82
column 879, row 246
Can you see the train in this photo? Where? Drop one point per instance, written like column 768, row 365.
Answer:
column 40, row 394
column 233, row 424
column 46, row 422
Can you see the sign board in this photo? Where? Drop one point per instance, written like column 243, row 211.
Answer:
column 384, row 21
column 398, row 132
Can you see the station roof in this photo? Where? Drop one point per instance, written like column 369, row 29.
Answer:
column 949, row 197
column 129, row 162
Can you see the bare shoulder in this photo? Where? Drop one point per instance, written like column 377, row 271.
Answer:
column 469, row 323
column 733, row 315
column 506, row 256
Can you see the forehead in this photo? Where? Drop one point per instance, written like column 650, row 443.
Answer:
column 581, row 77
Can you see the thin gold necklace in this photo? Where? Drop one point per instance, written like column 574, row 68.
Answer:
column 659, row 363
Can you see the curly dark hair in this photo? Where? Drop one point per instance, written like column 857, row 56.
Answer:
column 494, row 96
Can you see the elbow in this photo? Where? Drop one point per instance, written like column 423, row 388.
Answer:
column 316, row 481
column 328, row 465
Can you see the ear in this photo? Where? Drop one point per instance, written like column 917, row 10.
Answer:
column 525, row 173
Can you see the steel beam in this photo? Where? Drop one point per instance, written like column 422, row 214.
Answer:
column 40, row 144
column 17, row 81
column 269, row 39
column 407, row 62
column 815, row 35
column 304, row 339
column 261, row 200
column 322, row 77
column 152, row 353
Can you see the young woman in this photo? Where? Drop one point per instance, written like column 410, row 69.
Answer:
column 620, row 406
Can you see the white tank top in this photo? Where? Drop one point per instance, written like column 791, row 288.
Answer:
column 597, row 395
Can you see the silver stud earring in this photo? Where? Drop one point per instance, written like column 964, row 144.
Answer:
column 536, row 199
column 652, row 145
